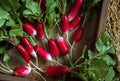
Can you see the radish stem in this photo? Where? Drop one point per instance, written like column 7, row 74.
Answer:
column 71, row 50
column 56, row 62
column 84, row 49
column 39, row 75
column 8, row 66
column 69, row 60
column 67, row 38
column 36, row 58
column 37, row 67
column 3, row 65
column 5, row 70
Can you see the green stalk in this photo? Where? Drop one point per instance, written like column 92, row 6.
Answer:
column 82, row 56
column 6, row 71
column 69, row 60
column 60, row 7
column 64, row 5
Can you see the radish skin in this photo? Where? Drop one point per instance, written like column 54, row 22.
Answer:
column 64, row 23
column 22, row 71
column 75, row 22
column 29, row 29
column 55, row 71
column 62, row 45
column 53, row 47
column 40, row 30
column 43, row 53
column 23, row 52
column 26, row 43
column 74, row 9
column 78, row 35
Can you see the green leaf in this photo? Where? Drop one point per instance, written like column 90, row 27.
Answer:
column 104, row 43
column 32, row 10
column 10, row 22
column 4, row 16
column 112, row 50
column 3, row 48
column 6, row 57
column 95, row 70
column 109, row 60
column 51, row 13
column 10, row 5
column 110, row 75
column 90, row 54
column 16, row 32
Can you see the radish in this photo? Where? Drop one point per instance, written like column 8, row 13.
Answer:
column 40, row 30
column 78, row 35
column 26, row 43
column 55, row 71
column 29, row 29
column 24, row 53
column 22, row 71
column 62, row 45
column 53, row 47
column 64, row 24
column 74, row 9
column 43, row 53
column 75, row 22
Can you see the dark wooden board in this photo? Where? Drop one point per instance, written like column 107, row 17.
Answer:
column 92, row 31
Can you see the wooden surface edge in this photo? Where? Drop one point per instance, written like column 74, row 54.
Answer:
column 11, row 78
column 103, row 18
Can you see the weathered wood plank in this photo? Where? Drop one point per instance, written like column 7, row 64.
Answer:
column 11, row 78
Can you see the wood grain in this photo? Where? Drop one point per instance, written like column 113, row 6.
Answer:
column 11, row 78
column 102, row 18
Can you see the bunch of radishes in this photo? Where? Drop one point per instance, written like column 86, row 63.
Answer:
column 60, row 45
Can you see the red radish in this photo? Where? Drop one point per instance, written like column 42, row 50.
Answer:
column 29, row 29
column 43, row 53
column 78, row 35
column 42, row 6
column 53, row 47
column 26, row 43
column 22, row 71
column 75, row 22
column 24, row 53
column 64, row 23
column 74, row 9
column 40, row 30
column 63, row 46
column 54, row 71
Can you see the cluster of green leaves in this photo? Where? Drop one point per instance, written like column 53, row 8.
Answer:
column 52, row 13
column 32, row 10
column 99, row 66
column 11, row 14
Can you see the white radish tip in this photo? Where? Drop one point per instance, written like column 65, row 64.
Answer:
column 34, row 33
column 42, row 37
column 27, row 71
column 60, row 39
column 70, row 17
column 49, row 57
column 34, row 54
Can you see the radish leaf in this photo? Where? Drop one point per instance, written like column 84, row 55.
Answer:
column 32, row 10
column 6, row 57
